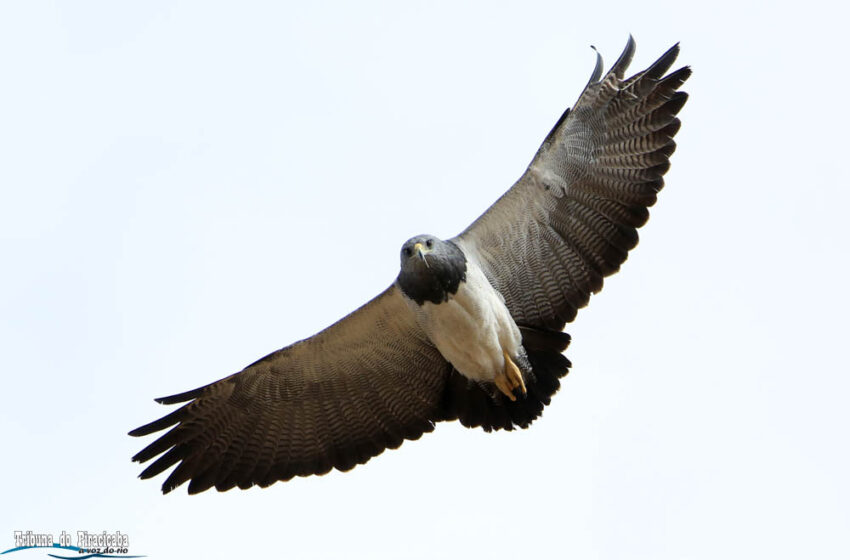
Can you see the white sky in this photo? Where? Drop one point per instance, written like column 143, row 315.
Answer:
column 185, row 187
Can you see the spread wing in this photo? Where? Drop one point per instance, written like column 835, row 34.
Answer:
column 572, row 217
column 334, row 400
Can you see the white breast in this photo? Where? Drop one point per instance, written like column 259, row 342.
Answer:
column 472, row 328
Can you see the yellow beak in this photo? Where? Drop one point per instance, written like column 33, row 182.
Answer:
column 421, row 250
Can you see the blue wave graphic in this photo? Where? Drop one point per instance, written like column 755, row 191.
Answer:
column 98, row 555
column 75, row 549
column 17, row 548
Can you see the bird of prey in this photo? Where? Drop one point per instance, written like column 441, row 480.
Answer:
column 470, row 330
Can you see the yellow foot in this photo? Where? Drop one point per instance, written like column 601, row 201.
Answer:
column 510, row 378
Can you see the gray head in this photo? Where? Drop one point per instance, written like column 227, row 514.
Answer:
column 431, row 269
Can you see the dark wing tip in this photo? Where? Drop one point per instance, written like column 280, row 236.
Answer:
column 138, row 432
column 169, row 419
column 683, row 73
column 619, row 67
column 675, row 79
column 159, row 424
column 597, row 70
column 664, row 62
column 181, row 397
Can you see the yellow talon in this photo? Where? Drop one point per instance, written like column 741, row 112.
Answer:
column 510, row 378
column 513, row 373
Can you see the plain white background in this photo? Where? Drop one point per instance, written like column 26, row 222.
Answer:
column 187, row 186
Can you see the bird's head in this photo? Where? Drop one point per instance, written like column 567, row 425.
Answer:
column 418, row 253
column 430, row 268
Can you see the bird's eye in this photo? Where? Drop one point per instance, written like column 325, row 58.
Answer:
column 429, row 243
column 407, row 252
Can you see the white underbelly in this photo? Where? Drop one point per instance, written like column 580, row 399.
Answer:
column 472, row 328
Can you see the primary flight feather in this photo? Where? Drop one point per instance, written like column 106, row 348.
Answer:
column 470, row 330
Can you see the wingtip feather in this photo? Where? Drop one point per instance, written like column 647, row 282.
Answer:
column 597, row 70
column 625, row 58
column 181, row 397
column 158, row 424
column 664, row 62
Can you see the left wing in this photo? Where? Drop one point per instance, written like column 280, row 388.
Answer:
column 572, row 218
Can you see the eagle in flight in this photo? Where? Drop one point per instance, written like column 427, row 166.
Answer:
column 470, row 330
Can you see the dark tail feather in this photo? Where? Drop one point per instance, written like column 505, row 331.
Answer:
column 534, row 339
column 476, row 405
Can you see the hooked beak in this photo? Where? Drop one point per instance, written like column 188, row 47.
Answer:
column 421, row 250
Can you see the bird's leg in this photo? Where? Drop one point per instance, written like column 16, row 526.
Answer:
column 510, row 378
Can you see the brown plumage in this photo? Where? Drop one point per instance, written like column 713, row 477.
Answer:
column 374, row 378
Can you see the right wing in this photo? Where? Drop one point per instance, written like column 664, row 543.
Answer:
column 333, row 400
